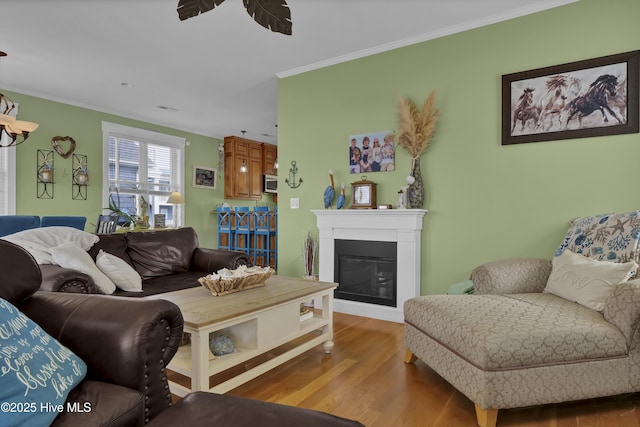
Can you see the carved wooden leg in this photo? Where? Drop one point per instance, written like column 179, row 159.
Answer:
column 409, row 357
column 486, row 417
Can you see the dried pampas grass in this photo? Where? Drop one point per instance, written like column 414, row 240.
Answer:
column 416, row 126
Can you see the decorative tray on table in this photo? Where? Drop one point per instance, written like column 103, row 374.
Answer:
column 227, row 281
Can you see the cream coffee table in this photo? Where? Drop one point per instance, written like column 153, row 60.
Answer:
column 257, row 320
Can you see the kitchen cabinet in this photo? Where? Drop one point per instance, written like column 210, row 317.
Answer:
column 269, row 159
column 239, row 152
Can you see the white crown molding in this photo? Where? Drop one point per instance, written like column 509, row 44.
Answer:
column 523, row 11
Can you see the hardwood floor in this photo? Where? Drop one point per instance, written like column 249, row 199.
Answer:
column 365, row 378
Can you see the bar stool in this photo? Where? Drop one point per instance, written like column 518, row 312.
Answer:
column 273, row 233
column 261, row 235
column 225, row 228
column 243, row 228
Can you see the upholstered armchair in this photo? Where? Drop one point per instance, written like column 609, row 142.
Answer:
column 539, row 331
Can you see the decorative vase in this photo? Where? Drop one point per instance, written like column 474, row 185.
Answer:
column 416, row 190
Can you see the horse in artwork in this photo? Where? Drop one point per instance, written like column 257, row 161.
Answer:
column 525, row 110
column 552, row 103
column 597, row 98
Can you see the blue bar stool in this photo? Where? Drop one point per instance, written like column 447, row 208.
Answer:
column 225, row 227
column 261, row 236
column 243, row 229
column 273, row 234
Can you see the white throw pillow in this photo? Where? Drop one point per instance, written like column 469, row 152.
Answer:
column 587, row 281
column 70, row 255
column 121, row 273
column 39, row 241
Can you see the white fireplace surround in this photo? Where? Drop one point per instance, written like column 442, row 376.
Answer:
column 403, row 226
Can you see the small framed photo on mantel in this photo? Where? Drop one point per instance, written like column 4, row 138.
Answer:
column 159, row 221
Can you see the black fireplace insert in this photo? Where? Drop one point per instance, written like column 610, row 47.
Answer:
column 366, row 271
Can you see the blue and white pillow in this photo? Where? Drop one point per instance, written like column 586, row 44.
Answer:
column 36, row 371
column 606, row 237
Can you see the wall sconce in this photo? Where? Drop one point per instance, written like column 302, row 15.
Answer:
column 291, row 181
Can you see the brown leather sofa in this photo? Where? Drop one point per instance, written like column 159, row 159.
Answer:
column 125, row 343
column 167, row 260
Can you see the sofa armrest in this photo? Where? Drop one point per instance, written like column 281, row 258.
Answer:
column 60, row 279
column 124, row 341
column 623, row 308
column 511, row 276
column 212, row 260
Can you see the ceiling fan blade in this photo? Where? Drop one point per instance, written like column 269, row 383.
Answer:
column 274, row 15
column 190, row 8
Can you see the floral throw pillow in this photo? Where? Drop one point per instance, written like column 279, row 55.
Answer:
column 607, row 237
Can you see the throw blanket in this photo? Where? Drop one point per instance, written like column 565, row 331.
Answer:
column 39, row 241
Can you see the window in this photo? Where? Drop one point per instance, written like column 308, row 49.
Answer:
column 142, row 166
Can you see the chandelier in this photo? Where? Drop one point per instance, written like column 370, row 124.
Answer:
column 17, row 130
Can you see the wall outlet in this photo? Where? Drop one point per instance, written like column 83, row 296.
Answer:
column 294, row 203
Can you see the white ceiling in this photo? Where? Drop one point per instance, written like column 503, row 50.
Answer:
column 218, row 70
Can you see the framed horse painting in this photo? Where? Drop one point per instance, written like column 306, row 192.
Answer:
column 595, row 97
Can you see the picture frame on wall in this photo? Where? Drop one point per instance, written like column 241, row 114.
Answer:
column 204, row 177
column 594, row 97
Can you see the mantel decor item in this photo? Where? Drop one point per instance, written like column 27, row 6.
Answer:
column 416, row 127
column 595, row 97
column 363, row 194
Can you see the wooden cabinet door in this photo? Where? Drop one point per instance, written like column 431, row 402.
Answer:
column 269, row 158
column 237, row 184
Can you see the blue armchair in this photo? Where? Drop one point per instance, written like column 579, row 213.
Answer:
column 64, row 221
column 10, row 224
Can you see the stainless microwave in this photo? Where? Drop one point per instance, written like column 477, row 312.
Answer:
column 270, row 184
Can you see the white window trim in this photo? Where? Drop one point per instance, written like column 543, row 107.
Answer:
column 121, row 131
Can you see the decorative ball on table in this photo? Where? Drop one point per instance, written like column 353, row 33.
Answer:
column 221, row 345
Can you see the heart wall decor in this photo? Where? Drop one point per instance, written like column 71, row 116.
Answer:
column 56, row 140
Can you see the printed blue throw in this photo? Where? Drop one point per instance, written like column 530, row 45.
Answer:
column 606, row 237
column 36, row 371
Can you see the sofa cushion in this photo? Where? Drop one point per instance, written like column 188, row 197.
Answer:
column 160, row 253
column 162, row 284
column 515, row 330
column 612, row 237
column 587, row 281
column 120, row 273
column 102, row 404
column 36, row 369
column 70, row 255
column 115, row 244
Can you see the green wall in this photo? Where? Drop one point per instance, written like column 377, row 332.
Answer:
column 85, row 127
column 486, row 201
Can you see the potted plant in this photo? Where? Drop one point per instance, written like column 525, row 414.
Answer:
column 114, row 207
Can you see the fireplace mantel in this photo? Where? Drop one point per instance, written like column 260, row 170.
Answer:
column 403, row 226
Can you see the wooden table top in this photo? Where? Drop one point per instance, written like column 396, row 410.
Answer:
column 200, row 308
